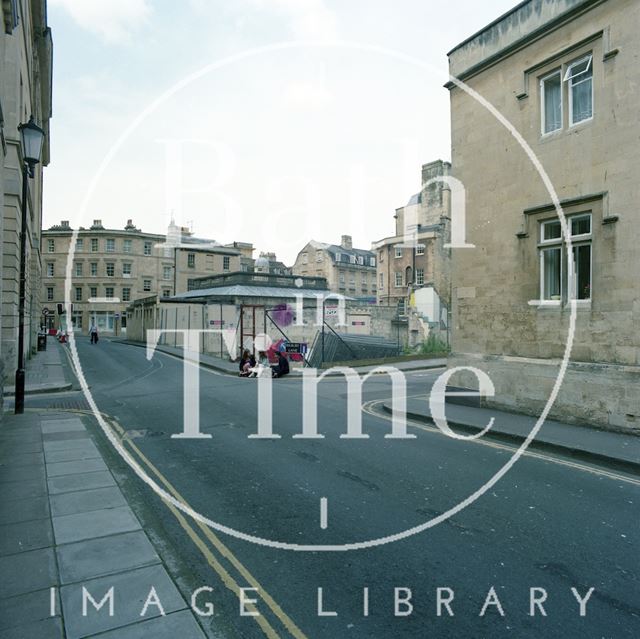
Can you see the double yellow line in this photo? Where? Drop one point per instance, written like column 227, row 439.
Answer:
column 205, row 535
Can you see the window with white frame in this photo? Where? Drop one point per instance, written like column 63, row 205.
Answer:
column 146, row 285
column 381, row 281
column 166, row 292
column 381, row 255
column 51, row 246
column 110, row 245
column 398, row 276
column 420, row 249
column 50, row 269
column 147, row 248
column 320, row 256
column 352, row 259
column 191, row 260
column 420, row 276
column 78, row 294
column 226, row 263
column 126, row 269
column 342, row 279
column 352, row 280
column 402, row 306
column 108, row 292
column 166, row 272
column 78, row 270
column 126, row 294
column 579, row 76
column 560, row 281
column 551, row 102
column 50, row 293
column 126, row 246
column 93, row 290
column 372, row 261
column 338, row 257
column 94, row 244
column 79, row 244
column 398, row 251
column 111, row 269
column 94, row 269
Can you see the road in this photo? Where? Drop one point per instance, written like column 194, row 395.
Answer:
column 547, row 524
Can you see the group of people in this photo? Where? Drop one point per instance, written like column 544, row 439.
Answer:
column 250, row 368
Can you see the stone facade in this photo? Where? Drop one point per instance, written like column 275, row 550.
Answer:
column 113, row 267
column 413, row 265
column 348, row 271
column 25, row 90
column 565, row 74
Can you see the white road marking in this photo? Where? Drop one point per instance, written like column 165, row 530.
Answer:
column 323, row 513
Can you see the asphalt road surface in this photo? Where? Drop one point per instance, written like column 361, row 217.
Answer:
column 549, row 523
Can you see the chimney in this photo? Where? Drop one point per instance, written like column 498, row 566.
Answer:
column 64, row 224
column 346, row 242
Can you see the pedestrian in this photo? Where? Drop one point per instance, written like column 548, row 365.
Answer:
column 247, row 362
column 93, row 332
column 261, row 366
column 282, row 367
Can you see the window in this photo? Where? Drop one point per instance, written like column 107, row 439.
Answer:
column 50, row 269
column 381, row 281
column 146, row 285
column 78, row 293
column 225, row 263
column 352, row 259
column 352, row 280
column 320, row 256
column 111, row 269
column 381, row 255
column 111, row 245
column 109, row 292
column 94, row 245
column 342, row 284
column 94, row 269
column 51, row 246
column 420, row 249
column 93, row 291
column 126, row 246
column 79, row 244
column 398, row 276
column 147, row 248
column 166, row 292
column 126, row 269
column 166, row 272
column 372, row 261
column 557, row 281
column 305, row 258
column 338, row 257
column 398, row 251
column 126, row 294
column 579, row 75
column 78, row 269
column 551, row 106
column 191, row 260
column 420, row 276
column 50, row 293
column 402, row 307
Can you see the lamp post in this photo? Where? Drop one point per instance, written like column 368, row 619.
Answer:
column 32, row 138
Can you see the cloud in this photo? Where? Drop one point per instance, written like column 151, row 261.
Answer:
column 113, row 20
column 308, row 19
column 307, row 95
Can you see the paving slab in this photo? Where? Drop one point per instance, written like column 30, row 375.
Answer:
column 23, row 489
column 85, row 560
column 85, row 501
column 65, row 436
column 34, row 447
column 22, row 459
column 25, row 535
column 32, row 606
column 130, row 591
column 84, row 452
column 75, row 467
column 27, row 572
column 62, row 426
column 81, row 443
column 177, row 624
column 17, row 510
column 45, row 629
column 97, row 523
column 71, row 483
column 21, row 473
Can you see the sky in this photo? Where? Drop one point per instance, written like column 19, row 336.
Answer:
column 266, row 121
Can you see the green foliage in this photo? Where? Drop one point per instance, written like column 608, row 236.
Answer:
column 433, row 344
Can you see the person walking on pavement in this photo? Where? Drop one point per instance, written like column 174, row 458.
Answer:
column 93, row 332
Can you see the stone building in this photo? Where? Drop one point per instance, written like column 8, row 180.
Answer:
column 565, row 74
column 348, row 271
column 413, row 265
column 25, row 90
column 113, row 267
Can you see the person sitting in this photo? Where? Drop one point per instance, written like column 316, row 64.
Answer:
column 261, row 366
column 247, row 362
column 282, row 367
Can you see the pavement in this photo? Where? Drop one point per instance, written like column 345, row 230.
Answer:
column 222, row 365
column 618, row 450
column 46, row 372
column 65, row 525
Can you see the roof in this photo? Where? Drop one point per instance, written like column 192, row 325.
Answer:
column 243, row 290
column 415, row 199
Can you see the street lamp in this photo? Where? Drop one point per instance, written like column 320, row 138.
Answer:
column 32, row 139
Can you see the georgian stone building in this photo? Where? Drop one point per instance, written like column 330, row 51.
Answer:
column 25, row 90
column 113, row 267
column 413, row 264
column 348, row 271
column 565, row 74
